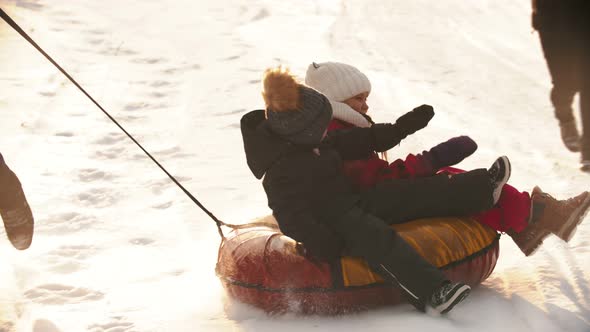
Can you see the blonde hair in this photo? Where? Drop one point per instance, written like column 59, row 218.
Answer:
column 280, row 90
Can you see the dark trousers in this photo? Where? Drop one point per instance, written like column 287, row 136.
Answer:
column 585, row 103
column 367, row 234
column 565, row 47
column 585, row 89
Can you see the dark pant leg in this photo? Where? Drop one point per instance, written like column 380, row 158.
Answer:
column 397, row 201
column 389, row 255
column 584, row 46
column 561, row 54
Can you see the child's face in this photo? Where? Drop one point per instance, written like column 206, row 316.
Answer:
column 358, row 102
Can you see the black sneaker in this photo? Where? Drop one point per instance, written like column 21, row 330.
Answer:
column 448, row 296
column 499, row 175
column 14, row 209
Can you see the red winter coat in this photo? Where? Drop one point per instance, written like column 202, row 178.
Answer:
column 511, row 212
column 366, row 173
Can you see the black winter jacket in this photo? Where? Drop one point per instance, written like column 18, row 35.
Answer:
column 308, row 192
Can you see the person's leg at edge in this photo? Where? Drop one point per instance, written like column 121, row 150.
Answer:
column 396, row 261
column 559, row 50
column 585, row 94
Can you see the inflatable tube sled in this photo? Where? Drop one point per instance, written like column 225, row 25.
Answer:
column 260, row 266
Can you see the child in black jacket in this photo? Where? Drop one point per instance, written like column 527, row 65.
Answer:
column 314, row 202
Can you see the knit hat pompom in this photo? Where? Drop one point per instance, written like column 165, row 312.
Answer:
column 294, row 111
column 280, row 90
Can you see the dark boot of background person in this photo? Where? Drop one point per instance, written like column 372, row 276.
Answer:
column 585, row 140
column 562, row 98
column 14, row 209
column 570, row 135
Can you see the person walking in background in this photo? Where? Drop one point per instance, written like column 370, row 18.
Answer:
column 14, row 209
column 564, row 32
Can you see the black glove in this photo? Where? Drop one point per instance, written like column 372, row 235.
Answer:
column 387, row 135
column 415, row 120
column 451, row 152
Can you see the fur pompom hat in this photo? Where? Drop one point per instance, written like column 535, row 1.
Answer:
column 338, row 81
column 294, row 111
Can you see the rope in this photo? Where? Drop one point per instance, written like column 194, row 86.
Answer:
column 18, row 29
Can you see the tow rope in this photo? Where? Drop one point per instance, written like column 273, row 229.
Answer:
column 18, row 29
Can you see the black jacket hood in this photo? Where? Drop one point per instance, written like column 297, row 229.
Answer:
column 261, row 145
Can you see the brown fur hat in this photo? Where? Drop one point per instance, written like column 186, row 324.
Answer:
column 294, row 111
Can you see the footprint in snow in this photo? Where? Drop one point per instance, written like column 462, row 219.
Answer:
column 65, row 223
column 115, row 324
column 58, row 294
column 149, row 61
column 93, row 174
column 98, row 197
column 44, row 325
column 68, row 259
column 111, row 138
column 111, row 153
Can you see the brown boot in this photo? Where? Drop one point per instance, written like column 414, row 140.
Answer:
column 530, row 238
column 560, row 217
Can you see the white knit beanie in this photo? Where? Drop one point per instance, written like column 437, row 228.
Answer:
column 337, row 81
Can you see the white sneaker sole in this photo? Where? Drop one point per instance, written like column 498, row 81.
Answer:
column 460, row 294
column 498, row 191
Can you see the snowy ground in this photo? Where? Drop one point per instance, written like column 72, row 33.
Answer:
column 118, row 247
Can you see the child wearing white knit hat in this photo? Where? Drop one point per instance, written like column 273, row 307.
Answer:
column 348, row 88
column 341, row 83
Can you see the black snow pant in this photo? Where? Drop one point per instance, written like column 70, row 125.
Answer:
column 585, row 98
column 565, row 46
column 366, row 232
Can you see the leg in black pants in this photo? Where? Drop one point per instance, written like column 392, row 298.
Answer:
column 585, row 109
column 367, row 234
column 584, row 39
column 443, row 195
column 561, row 54
column 389, row 255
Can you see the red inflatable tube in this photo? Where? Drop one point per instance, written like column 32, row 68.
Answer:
column 260, row 266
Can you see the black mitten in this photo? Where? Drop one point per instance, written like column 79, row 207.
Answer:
column 387, row 135
column 451, row 152
column 415, row 120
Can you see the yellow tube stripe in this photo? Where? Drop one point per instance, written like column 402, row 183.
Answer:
column 440, row 241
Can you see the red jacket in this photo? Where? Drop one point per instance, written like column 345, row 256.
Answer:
column 366, row 173
column 511, row 212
